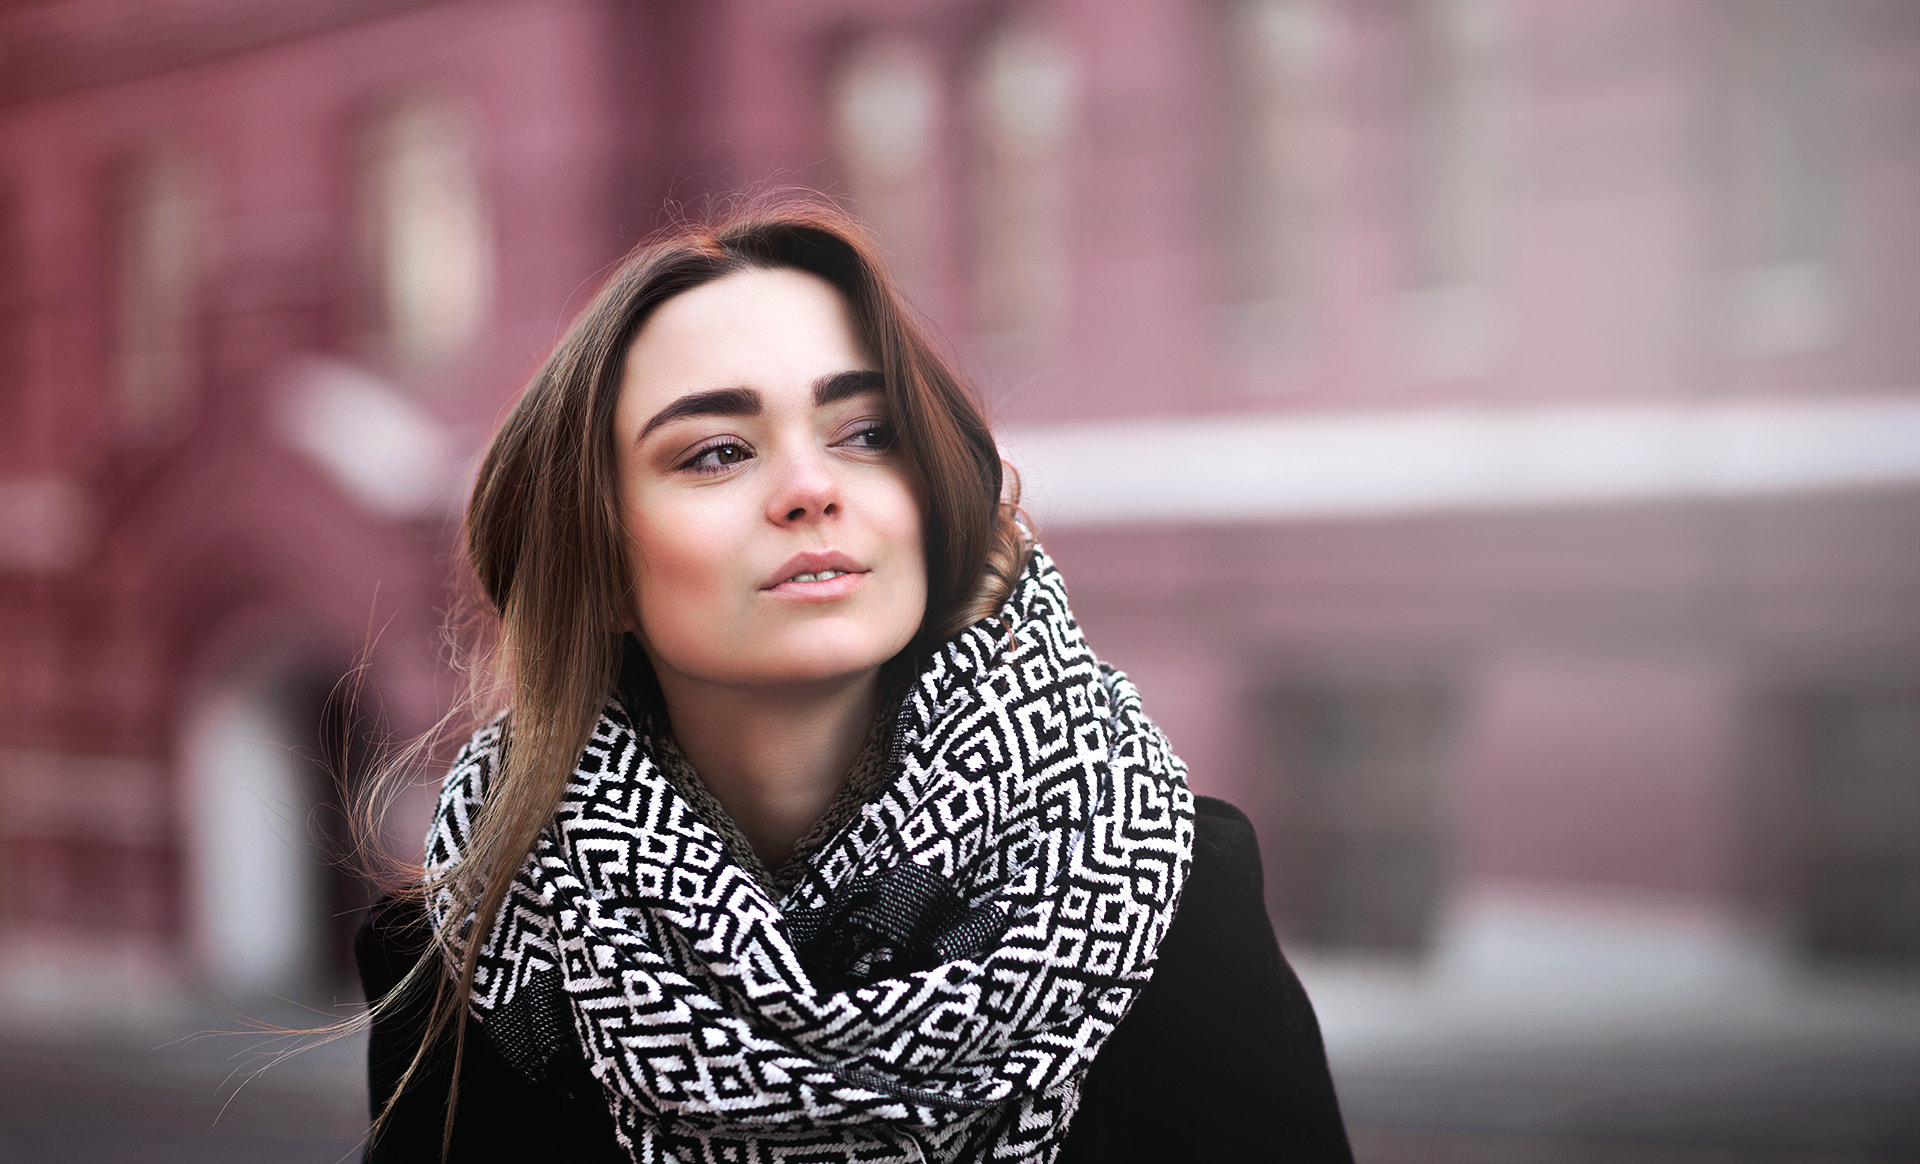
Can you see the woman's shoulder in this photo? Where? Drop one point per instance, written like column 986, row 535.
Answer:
column 471, row 771
column 1228, row 881
column 502, row 1113
column 1222, row 823
column 483, row 746
column 1221, row 1056
column 1221, row 934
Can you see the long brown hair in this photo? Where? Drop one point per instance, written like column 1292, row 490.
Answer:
column 544, row 538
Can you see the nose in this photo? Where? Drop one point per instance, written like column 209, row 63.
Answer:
column 805, row 489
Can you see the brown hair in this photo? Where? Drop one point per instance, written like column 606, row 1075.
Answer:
column 544, row 535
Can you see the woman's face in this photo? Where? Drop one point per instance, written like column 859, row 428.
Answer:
column 774, row 533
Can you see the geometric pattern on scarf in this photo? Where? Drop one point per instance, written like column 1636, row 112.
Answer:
column 1029, row 784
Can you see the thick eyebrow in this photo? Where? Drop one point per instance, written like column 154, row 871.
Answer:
column 714, row 402
column 746, row 402
column 841, row 385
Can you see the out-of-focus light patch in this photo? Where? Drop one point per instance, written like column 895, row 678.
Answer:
column 388, row 452
column 46, row 525
column 1391, row 463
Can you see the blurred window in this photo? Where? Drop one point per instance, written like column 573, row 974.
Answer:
column 886, row 113
column 1782, row 175
column 1452, row 56
column 1277, row 52
column 1456, row 62
column 1853, row 768
column 1355, row 798
column 159, row 215
column 14, row 322
column 1025, row 108
column 428, row 230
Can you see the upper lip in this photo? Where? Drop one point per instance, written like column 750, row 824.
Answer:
column 812, row 562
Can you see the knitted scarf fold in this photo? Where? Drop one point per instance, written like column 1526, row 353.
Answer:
column 934, row 988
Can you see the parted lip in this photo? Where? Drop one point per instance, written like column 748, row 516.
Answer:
column 812, row 562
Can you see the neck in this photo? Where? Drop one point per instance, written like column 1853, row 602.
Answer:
column 774, row 759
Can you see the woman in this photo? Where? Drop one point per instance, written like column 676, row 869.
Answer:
column 814, row 830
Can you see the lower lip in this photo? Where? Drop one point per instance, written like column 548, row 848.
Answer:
column 825, row 590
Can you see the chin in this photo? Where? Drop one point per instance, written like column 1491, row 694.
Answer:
column 798, row 665
column 831, row 655
column 825, row 668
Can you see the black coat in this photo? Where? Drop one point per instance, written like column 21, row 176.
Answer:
column 1219, row 1060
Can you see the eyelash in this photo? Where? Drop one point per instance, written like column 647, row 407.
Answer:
column 887, row 436
column 701, row 460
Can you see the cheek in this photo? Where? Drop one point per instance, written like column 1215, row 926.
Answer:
column 673, row 574
column 909, row 528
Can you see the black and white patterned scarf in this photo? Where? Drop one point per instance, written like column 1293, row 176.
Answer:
column 937, row 985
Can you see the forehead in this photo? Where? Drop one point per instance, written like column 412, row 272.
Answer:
column 768, row 330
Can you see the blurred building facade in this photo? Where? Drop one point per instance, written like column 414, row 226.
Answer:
column 1488, row 431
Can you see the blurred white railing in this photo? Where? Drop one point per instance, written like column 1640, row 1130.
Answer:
column 1385, row 463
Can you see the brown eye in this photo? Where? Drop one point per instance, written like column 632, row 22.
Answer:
column 714, row 458
column 874, row 436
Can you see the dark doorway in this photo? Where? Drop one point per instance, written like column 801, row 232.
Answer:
column 339, row 749
column 1852, row 764
column 1354, row 799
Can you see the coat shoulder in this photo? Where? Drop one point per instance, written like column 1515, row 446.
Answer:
column 1221, row 1057
column 502, row 1114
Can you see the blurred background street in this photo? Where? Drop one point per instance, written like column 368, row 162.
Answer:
column 1831, row 1082
column 1488, row 432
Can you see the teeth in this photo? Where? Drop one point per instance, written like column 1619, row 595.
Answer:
column 819, row 576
